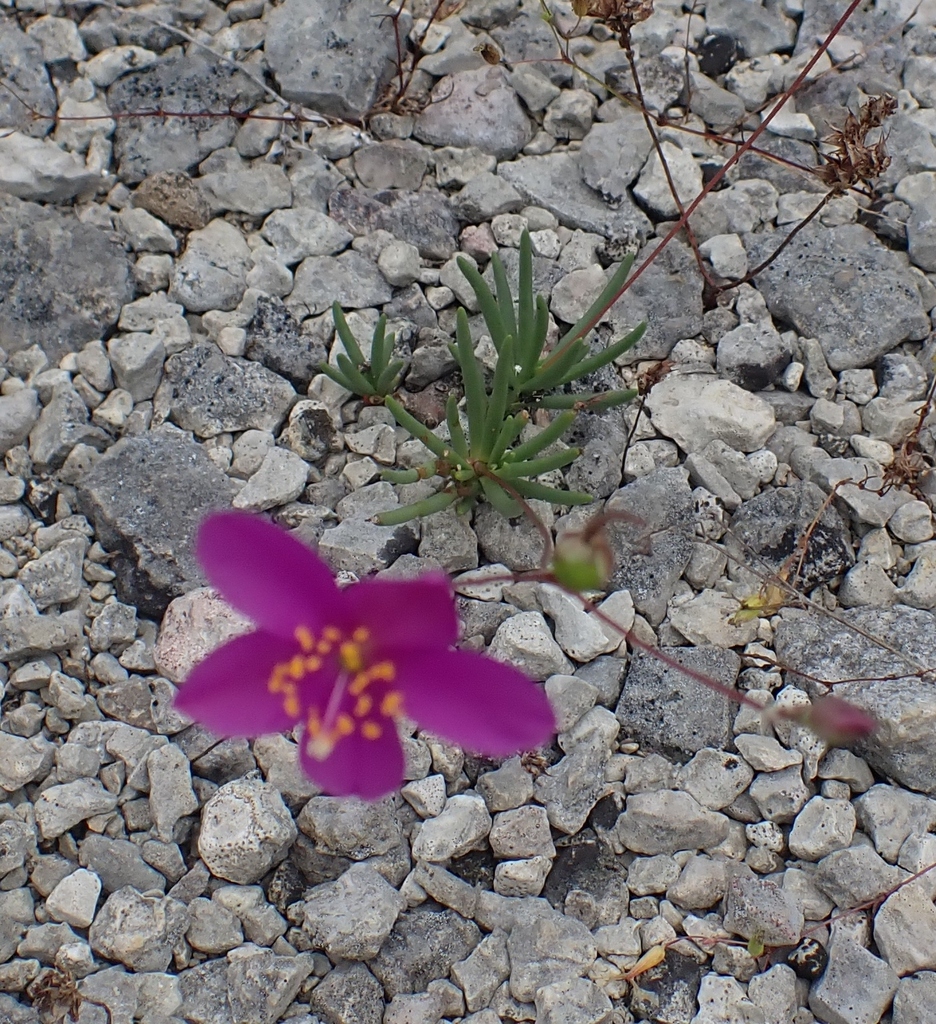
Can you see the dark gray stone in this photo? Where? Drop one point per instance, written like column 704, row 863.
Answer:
column 904, row 745
column 349, row 994
column 613, row 152
column 766, row 532
column 842, row 286
column 753, row 355
column 145, row 145
column 62, row 282
column 261, row 987
column 145, row 496
column 651, row 551
column 329, row 55
column 210, row 393
column 667, row 991
column 668, row 712
column 423, row 219
column 274, row 339
column 422, row 947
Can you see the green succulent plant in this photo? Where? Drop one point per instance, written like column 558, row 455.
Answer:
column 371, row 379
column 536, row 372
column 485, row 461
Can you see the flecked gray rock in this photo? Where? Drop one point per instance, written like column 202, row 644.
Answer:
column 139, row 931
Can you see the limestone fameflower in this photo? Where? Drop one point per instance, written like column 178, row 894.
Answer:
column 347, row 664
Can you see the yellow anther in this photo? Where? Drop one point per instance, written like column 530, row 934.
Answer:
column 332, row 634
column 358, row 684
column 392, row 704
column 371, row 731
column 352, row 659
column 344, row 726
column 305, row 638
column 363, row 706
column 296, row 667
column 361, row 635
column 313, row 663
column 291, row 705
column 385, row 671
column 323, row 647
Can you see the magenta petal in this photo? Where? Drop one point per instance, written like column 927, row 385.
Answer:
column 227, row 692
column 404, row 614
column 481, row 704
column 369, row 769
column 265, row 573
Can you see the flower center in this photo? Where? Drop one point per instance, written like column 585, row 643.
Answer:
column 361, row 699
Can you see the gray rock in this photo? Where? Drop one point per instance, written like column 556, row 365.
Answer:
column 350, row 279
column 484, row 197
column 759, row 908
column 74, row 899
column 715, row 778
column 62, row 425
column 351, row 918
column 717, row 107
column 423, row 219
column 210, row 393
column 652, row 551
column 476, row 108
column 137, row 361
column 855, row 321
column 525, row 640
column 667, row 711
column 545, row 947
column 23, row 57
column 115, row 624
column 18, row 415
column 145, row 497
column 700, row 885
column 27, row 635
column 856, row 875
column 118, row 863
column 758, row 30
column 572, row 1000
column 348, row 993
column 695, row 409
column 245, row 830
column 553, row 181
column 522, row 832
column 888, row 815
column 769, row 527
column 139, row 931
column 273, row 339
column 23, row 760
column 901, row 748
column 39, row 170
column 211, row 272
column 780, row 795
column 753, row 355
column 145, row 146
column 856, row 987
column 359, row 546
column 915, row 998
column 461, row 827
column 394, row 163
column 482, row 972
column 48, row 249
column 230, row 183
column 262, row 986
column 329, row 57
column 171, row 796
column 653, row 187
column 613, row 152
column 281, row 478
column 905, row 930
column 17, row 840
column 300, row 232
column 422, row 947
column 55, row 577
column 666, row 821
column 60, row 808
column 353, row 829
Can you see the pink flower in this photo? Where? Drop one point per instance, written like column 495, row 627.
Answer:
column 347, row 664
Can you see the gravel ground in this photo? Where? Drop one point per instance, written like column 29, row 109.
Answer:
column 165, row 287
